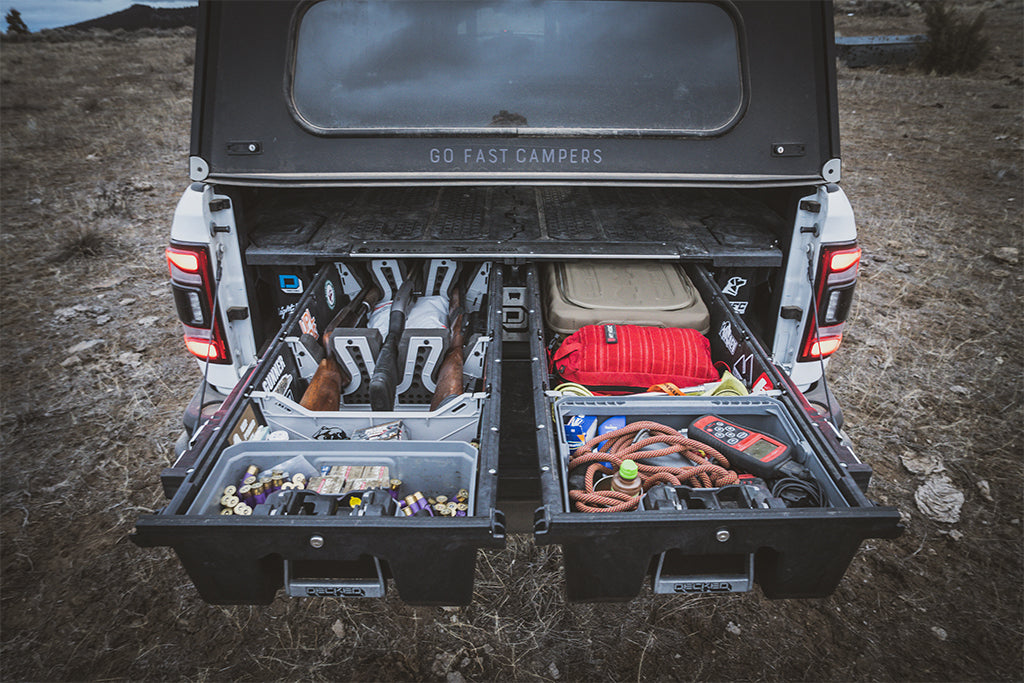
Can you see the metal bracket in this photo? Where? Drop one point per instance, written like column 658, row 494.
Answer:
column 474, row 363
column 307, row 365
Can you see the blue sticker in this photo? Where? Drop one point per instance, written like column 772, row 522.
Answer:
column 290, row 284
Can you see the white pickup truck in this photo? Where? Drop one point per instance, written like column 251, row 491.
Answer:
column 489, row 157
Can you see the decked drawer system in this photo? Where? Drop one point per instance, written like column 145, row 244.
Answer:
column 709, row 543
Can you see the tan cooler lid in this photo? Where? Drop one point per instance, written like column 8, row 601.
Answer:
column 625, row 285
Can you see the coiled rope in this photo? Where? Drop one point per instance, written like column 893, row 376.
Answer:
column 710, row 469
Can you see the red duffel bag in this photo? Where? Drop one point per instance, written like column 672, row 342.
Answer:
column 631, row 358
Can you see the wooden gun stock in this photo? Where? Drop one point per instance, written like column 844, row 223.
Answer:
column 450, row 380
column 324, row 390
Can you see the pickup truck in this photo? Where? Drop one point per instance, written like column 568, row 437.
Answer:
column 390, row 199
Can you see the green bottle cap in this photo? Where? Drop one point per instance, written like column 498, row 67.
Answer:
column 628, row 470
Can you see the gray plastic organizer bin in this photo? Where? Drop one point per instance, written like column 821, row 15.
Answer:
column 430, row 467
column 761, row 413
column 458, row 420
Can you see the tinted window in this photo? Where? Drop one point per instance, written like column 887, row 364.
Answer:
column 613, row 65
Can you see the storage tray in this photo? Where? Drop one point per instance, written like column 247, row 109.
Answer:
column 457, row 420
column 430, row 467
column 761, row 413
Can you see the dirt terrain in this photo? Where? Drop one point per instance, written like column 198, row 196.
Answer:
column 94, row 140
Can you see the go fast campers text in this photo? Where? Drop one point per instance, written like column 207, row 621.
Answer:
column 506, row 156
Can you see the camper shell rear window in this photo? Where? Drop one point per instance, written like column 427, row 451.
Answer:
column 617, row 67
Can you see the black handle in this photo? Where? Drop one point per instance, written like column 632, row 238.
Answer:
column 384, row 380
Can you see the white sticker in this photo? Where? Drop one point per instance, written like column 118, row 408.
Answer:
column 276, row 370
column 733, row 287
column 284, row 311
column 740, row 306
column 725, row 334
column 329, row 293
column 744, row 367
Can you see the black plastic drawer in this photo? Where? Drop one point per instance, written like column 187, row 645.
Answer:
column 234, row 559
column 706, row 547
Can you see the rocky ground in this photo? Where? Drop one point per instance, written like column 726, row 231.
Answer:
column 94, row 140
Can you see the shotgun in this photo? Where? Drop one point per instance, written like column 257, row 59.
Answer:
column 449, row 378
column 324, row 390
column 384, row 380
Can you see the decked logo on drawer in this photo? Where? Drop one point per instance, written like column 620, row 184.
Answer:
column 335, row 592
column 703, row 587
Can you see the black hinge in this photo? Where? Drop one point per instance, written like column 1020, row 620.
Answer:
column 791, row 313
column 810, row 206
column 237, row 313
column 220, row 204
column 244, row 147
column 787, row 149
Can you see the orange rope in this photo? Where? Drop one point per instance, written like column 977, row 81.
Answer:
column 710, row 469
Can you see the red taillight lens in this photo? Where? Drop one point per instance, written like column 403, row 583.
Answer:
column 186, row 261
column 821, row 347
column 841, row 260
column 205, row 349
column 193, row 285
column 837, row 276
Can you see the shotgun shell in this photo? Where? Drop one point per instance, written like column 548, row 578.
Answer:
column 460, row 513
column 229, row 501
column 422, row 503
column 452, row 505
column 242, row 509
column 249, row 479
column 230, row 490
column 442, row 499
column 463, row 494
column 439, row 509
column 258, row 494
column 299, row 477
column 411, row 505
column 462, row 507
column 277, row 481
column 245, row 493
column 268, row 485
column 226, row 511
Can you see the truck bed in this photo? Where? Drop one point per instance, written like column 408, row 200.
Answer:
column 308, row 226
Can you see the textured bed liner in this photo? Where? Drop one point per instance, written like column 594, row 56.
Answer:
column 714, row 226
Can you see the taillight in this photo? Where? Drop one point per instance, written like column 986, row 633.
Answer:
column 193, row 286
column 837, row 276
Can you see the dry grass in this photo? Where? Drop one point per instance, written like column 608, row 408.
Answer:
column 94, row 138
